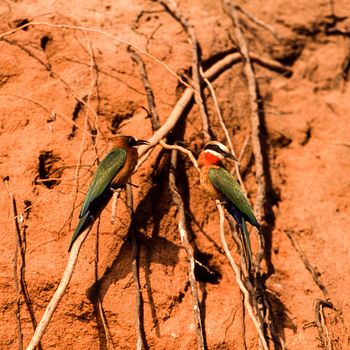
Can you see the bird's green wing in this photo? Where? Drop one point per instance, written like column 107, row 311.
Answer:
column 105, row 173
column 229, row 187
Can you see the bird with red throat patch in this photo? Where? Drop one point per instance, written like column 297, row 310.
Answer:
column 220, row 184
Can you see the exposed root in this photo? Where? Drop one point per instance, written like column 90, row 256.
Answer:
column 183, row 230
column 140, row 332
column 240, row 283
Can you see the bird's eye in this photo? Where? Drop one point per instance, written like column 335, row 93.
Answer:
column 131, row 141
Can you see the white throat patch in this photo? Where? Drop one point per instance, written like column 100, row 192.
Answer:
column 214, row 153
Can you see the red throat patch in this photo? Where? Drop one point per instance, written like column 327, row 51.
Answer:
column 211, row 158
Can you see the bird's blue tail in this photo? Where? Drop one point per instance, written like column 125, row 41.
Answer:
column 239, row 218
column 84, row 222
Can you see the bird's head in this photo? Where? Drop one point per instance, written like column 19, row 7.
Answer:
column 129, row 141
column 214, row 152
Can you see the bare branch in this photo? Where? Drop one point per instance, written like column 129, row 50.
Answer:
column 259, row 22
column 15, row 263
column 183, row 150
column 149, row 92
column 183, row 230
column 141, row 341
column 314, row 273
column 238, row 277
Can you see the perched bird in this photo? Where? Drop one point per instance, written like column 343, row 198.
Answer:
column 112, row 173
column 221, row 185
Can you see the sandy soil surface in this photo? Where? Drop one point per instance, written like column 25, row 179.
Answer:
column 64, row 94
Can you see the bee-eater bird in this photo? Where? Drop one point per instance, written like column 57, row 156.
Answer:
column 221, row 185
column 112, row 173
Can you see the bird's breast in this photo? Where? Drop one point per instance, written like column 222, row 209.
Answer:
column 126, row 170
column 207, row 185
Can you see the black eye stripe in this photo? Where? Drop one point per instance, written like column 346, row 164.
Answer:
column 215, row 148
column 131, row 141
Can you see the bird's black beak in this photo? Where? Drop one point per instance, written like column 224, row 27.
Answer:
column 141, row 142
column 231, row 156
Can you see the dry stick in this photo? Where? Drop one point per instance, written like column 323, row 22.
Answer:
column 22, row 287
column 238, row 277
column 15, row 263
column 223, row 126
column 172, row 8
column 183, row 150
column 307, row 264
column 320, row 322
column 141, row 344
column 116, row 194
column 183, row 230
column 149, row 92
column 105, row 323
column 51, row 307
column 258, row 22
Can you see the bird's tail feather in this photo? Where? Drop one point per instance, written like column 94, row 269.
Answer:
column 247, row 246
column 240, row 220
column 84, row 222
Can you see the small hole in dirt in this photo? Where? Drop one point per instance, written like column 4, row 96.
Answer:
column 281, row 141
column 49, row 173
column 44, row 41
column 307, row 137
column 19, row 23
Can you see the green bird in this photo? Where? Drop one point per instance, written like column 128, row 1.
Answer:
column 112, row 173
column 221, row 185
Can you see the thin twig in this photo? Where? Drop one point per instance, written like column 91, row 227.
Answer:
column 321, row 324
column 183, row 230
column 15, row 264
column 183, row 150
column 149, row 92
column 172, row 8
column 116, row 194
column 141, row 341
column 314, row 273
column 259, row 22
column 61, row 289
column 238, row 277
